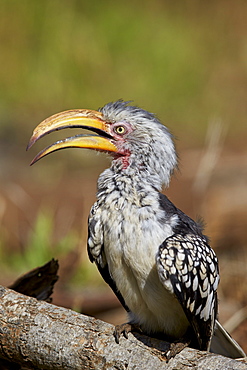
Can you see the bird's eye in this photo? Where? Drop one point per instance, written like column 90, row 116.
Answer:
column 120, row 130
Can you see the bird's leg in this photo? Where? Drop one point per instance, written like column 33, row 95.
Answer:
column 177, row 346
column 125, row 329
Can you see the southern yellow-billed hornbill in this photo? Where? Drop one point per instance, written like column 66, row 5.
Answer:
column 153, row 256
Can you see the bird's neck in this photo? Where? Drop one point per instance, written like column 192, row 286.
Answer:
column 128, row 183
column 148, row 167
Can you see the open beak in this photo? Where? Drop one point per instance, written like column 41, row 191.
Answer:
column 75, row 118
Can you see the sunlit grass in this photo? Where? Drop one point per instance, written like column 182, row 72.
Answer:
column 40, row 247
column 180, row 61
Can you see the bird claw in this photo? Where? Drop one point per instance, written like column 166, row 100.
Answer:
column 176, row 348
column 124, row 329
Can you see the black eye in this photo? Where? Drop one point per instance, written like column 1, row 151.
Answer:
column 120, row 130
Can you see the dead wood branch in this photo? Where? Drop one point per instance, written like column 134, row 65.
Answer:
column 39, row 282
column 39, row 335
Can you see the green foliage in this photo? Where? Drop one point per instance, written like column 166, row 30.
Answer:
column 41, row 247
column 86, row 275
column 183, row 60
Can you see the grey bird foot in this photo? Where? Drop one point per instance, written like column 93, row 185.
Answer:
column 176, row 347
column 124, row 329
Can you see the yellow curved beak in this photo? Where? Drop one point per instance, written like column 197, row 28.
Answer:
column 76, row 118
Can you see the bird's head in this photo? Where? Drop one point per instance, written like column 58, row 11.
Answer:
column 134, row 137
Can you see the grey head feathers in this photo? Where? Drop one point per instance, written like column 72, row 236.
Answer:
column 150, row 142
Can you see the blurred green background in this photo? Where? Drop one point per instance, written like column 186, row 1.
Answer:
column 184, row 60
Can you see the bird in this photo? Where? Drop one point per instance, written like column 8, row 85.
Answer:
column 153, row 256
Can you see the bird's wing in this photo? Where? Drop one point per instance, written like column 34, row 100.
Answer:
column 188, row 268
column 95, row 248
column 105, row 273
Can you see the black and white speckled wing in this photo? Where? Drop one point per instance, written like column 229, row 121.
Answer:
column 188, row 268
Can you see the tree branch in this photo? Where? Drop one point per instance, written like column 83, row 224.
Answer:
column 39, row 335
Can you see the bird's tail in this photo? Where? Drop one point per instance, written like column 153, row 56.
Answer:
column 223, row 344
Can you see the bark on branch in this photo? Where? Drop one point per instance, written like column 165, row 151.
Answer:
column 39, row 335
